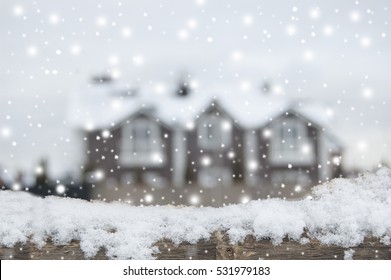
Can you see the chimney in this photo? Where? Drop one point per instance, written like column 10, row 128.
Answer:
column 183, row 89
column 266, row 87
column 102, row 79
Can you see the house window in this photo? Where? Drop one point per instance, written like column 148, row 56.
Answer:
column 288, row 135
column 290, row 143
column 154, row 179
column 214, row 176
column 214, row 132
column 112, row 183
column 141, row 143
column 128, row 178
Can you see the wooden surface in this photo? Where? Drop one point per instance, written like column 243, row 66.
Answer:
column 217, row 247
column 251, row 249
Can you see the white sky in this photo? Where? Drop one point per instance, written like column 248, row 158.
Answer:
column 334, row 51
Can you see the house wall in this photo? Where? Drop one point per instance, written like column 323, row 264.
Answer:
column 266, row 168
column 230, row 157
column 247, row 160
column 104, row 153
column 335, row 152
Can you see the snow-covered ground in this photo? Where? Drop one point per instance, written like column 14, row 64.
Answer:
column 341, row 212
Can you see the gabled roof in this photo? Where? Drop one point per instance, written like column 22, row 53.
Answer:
column 106, row 105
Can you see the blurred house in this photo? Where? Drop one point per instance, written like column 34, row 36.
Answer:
column 185, row 146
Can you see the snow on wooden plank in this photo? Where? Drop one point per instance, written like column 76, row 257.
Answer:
column 344, row 213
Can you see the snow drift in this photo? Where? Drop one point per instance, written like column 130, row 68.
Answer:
column 342, row 212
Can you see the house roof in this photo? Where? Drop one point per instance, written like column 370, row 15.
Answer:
column 101, row 106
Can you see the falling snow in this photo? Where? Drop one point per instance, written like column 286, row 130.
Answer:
column 76, row 76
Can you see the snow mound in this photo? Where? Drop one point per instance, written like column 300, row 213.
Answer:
column 342, row 212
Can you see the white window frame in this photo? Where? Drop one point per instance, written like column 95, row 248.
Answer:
column 139, row 150
column 211, row 121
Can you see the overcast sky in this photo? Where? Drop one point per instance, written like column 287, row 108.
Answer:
column 337, row 52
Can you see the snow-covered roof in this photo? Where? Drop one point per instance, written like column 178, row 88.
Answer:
column 103, row 105
column 319, row 113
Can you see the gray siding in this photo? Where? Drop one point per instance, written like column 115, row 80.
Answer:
column 230, row 157
column 267, row 169
column 104, row 153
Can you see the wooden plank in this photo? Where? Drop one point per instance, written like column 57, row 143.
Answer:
column 203, row 250
column 50, row 251
column 18, row 252
column 251, row 249
column 217, row 247
column 71, row 251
